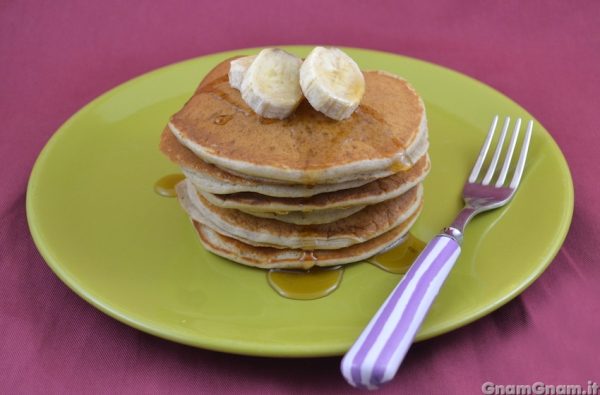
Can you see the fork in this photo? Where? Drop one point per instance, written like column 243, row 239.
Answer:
column 378, row 352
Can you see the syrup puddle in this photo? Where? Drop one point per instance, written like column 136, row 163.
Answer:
column 305, row 284
column 165, row 186
column 398, row 260
column 322, row 281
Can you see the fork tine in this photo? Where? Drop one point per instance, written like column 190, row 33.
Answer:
column 522, row 157
column 494, row 162
column 509, row 154
column 484, row 150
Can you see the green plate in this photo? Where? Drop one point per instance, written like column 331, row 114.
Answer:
column 133, row 254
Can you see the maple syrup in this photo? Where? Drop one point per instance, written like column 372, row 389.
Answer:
column 399, row 259
column 165, row 186
column 398, row 166
column 267, row 121
column 223, row 119
column 305, row 284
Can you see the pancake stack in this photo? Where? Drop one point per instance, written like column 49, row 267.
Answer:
column 306, row 190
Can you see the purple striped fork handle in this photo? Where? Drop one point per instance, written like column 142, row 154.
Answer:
column 375, row 357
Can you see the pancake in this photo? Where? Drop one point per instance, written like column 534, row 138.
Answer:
column 269, row 258
column 307, row 217
column 210, row 178
column 386, row 133
column 374, row 192
column 366, row 224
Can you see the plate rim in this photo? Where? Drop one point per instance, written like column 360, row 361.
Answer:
column 255, row 348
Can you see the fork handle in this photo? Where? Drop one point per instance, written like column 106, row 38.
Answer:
column 379, row 350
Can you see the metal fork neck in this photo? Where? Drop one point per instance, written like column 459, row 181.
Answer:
column 457, row 228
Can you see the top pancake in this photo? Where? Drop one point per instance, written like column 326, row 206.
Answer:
column 210, row 178
column 385, row 134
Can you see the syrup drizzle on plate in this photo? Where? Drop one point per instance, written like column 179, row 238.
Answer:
column 165, row 186
column 318, row 282
column 399, row 259
column 305, row 284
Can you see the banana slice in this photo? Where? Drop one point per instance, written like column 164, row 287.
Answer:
column 237, row 70
column 332, row 82
column 270, row 86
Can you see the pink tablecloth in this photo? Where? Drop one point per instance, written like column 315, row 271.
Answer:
column 56, row 56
